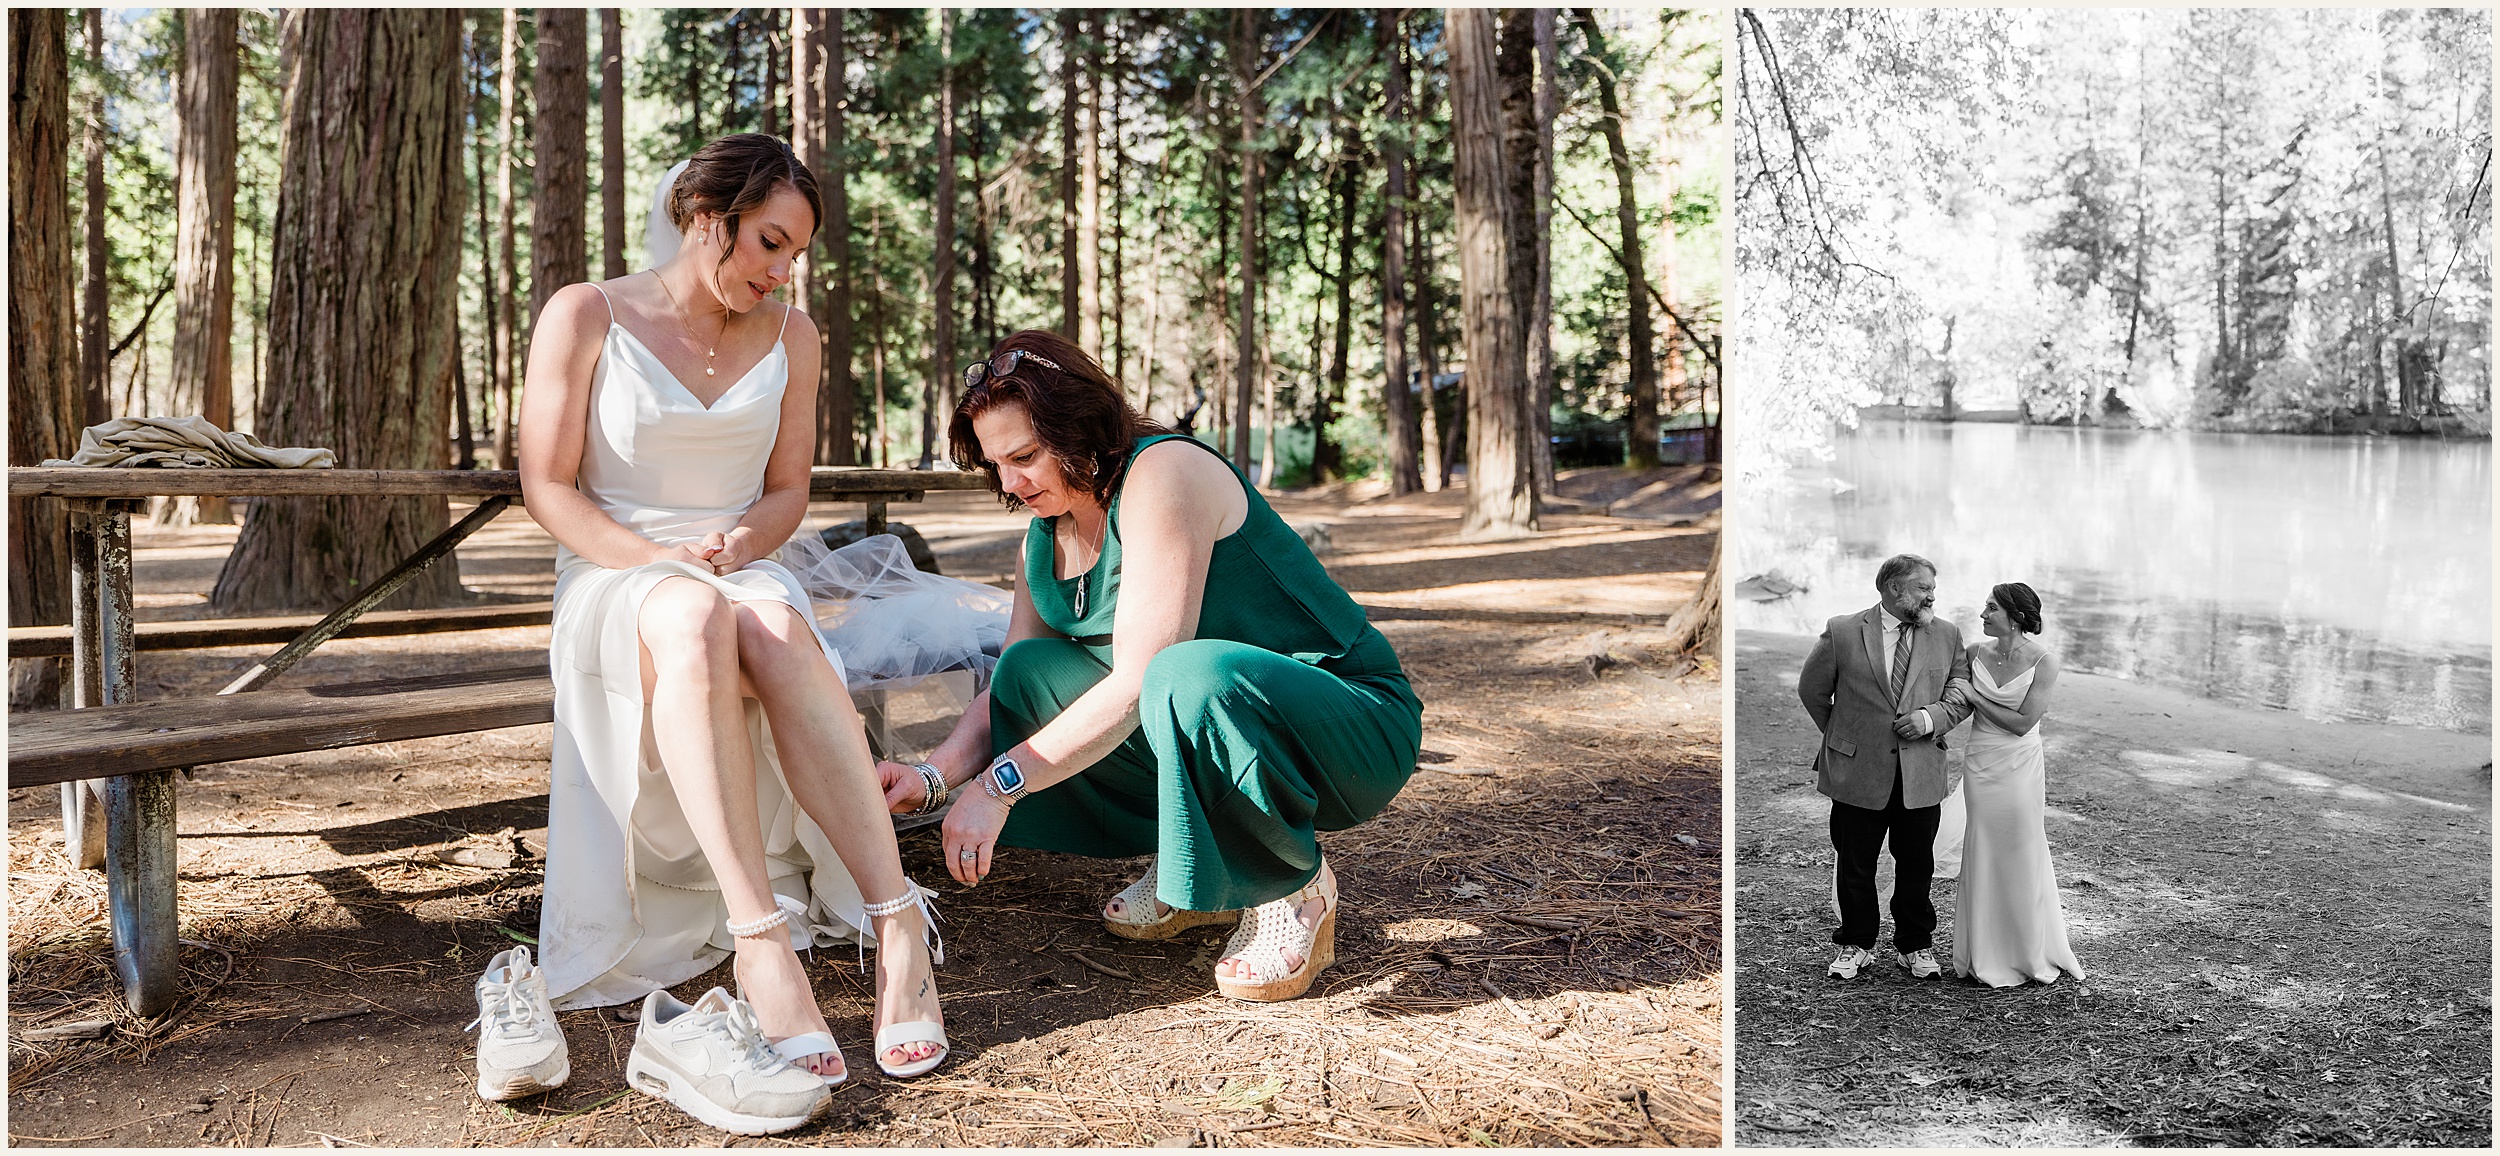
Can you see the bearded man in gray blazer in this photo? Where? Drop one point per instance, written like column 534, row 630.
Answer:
column 1875, row 686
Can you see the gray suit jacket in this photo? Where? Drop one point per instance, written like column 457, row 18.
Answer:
column 1847, row 689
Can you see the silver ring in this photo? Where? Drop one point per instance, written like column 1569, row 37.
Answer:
column 968, row 853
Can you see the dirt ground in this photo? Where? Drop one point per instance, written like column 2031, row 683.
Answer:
column 1529, row 952
column 2286, row 927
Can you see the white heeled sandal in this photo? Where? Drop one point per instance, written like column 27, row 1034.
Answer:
column 1269, row 930
column 893, row 1036
column 1142, row 916
column 794, row 1049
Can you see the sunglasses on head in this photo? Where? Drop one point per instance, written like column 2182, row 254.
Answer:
column 1001, row 366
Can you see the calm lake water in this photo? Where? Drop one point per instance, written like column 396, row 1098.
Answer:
column 2340, row 578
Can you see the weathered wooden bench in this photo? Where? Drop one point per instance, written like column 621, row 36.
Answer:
column 114, row 755
column 204, row 634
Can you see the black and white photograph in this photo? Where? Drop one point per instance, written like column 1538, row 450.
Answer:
column 2110, row 549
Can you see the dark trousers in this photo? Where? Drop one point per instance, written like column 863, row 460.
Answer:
column 1858, row 835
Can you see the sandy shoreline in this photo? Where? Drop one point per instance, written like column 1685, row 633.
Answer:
column 2223, row 740
column 2286, row 926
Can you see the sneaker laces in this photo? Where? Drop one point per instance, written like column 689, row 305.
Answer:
column 744, row 1033
column 506, row 1010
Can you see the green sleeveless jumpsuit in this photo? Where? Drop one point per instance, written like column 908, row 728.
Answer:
column 1287, row 715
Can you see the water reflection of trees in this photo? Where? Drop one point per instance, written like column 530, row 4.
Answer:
column 2339, row 578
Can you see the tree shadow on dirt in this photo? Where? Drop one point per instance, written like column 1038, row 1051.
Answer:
column 1666, row 554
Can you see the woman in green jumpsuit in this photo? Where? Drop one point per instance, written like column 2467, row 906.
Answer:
column 1182, row 678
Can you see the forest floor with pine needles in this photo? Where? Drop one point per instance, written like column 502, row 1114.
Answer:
column 2285, row 925
column 1529, row 951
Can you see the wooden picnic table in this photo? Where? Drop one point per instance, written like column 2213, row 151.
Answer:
column 135, row 840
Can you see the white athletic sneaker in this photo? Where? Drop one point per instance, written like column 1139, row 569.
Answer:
column 1922, row 963
column 712, row 1061
column 1850, row 958
column 521, row 1051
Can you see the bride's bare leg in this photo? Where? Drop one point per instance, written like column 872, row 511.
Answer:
column 690, row 679
column 824, row 756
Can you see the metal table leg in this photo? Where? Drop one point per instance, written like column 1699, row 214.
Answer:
column 82, row 803
column 138, row 809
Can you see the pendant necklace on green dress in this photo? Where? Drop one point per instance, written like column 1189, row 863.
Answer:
column 1085, row 576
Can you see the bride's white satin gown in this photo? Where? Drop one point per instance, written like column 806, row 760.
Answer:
column 631, row 904
column 2008, row 926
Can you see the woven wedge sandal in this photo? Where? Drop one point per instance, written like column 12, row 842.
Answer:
column 1271, row 929
column 1142, row 916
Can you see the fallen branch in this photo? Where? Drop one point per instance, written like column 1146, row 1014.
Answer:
column 1104, row 968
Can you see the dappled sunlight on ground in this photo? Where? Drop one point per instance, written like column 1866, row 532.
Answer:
column 1429, row 930
column 2285, row 929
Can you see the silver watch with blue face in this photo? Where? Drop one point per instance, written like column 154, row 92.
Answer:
column 1007, row 780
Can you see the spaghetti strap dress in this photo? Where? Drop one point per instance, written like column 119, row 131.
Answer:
column 1288, row 714
column 631, row 905
column 2008, row 924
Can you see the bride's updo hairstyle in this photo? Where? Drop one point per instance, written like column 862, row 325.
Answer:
column 1078, row 414
column 2021, row 606
column 734, row 176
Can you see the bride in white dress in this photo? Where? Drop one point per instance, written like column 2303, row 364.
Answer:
column 2008, row 926
column 712, row 790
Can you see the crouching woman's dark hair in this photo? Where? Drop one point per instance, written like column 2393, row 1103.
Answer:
column 1078, row 414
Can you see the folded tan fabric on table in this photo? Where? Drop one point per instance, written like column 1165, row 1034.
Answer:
column 185, row 442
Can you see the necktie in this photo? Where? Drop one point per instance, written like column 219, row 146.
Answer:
column 1901, row 663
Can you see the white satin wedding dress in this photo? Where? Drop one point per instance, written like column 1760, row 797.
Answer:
column 631, row 905
column 2008, row 925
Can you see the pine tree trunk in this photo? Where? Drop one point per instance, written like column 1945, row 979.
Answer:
column 1119, row 206
column 1541, row 293
column 807, row 139
column 1245, row 355
column 772, row 74
column 1400, row 431
column 1501, row 490
column 203, row 354
column 1068, row 162
column 44, row 385
column 362, row 303
column 1436, row 441
column 1327, row 456
column 488, row 310
column 839, row 400
column 1089, row 209
column 507, row 278
column 611, row 143
column 942, row 277
column 1694, row 628
column 1641, row 439
column 559, row 232
column 96, row 318
column 1521, row 159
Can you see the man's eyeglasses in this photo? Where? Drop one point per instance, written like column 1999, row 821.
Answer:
column 1005, row 364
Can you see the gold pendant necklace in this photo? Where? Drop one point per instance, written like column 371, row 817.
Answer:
column 711, row 349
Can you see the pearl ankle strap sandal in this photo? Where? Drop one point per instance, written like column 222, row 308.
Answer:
column 1271, row 929
column 911, row 1032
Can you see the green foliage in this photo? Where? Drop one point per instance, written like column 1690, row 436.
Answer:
column 2173, row 217
column 1171, row 173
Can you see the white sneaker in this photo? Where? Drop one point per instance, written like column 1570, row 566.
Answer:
column 712, row 1061
column 521, row 1051
column 1922, row 963
column 1846, row 964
